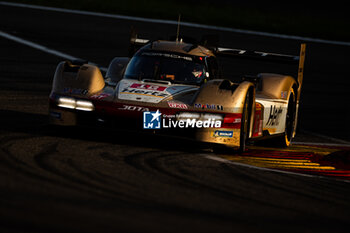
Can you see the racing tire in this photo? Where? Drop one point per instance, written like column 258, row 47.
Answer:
column 286, row 139
column 244, row 132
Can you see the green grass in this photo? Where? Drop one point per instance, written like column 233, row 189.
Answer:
column 328, row 21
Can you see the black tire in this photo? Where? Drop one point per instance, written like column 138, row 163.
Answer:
column 244, row 124
column 286, row 139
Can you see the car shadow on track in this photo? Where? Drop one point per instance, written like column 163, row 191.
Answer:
column 38, row 124
column 14, row 122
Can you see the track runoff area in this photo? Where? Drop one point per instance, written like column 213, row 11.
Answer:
column 306, row 159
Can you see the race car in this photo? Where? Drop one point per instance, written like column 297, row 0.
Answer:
column 174, row 87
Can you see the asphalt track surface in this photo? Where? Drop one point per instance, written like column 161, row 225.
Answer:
column 96, row 181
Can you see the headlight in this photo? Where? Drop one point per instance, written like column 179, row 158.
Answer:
column 83, row 105
column 65, row 102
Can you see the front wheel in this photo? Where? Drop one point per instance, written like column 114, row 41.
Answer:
column 285, row 140
column 244, row 124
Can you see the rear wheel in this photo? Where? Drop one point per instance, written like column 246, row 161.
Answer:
column 244, row 124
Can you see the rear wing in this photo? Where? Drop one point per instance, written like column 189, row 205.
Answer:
column 268, row 56
column 259, row 55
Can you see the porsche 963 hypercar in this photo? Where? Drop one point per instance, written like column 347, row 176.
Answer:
column 174, row 86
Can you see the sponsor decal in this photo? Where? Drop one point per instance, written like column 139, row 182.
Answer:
column 168, row 55
column 100, row 96
column 148, row 87
column 223, row 134
column 134, row 108
column 75, row 91
column 177, row 105
column 56, row 115
column 209, row 106
column 143, row 92
column 274, row 116
column 152, row 120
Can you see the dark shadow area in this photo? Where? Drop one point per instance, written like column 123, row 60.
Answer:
column 38, row 124
column 339, row 159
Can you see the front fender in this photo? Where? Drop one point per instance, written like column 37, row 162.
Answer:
column 231, row 96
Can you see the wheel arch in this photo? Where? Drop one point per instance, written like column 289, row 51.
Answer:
column 77, row 79
column 276, row 86
column 231, row 96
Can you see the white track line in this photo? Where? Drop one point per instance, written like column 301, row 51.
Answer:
column 172, row 22
column 43, row 48
column 37, row 46
column 222, row 160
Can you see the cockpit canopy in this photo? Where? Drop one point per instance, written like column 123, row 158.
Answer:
column 167, row 66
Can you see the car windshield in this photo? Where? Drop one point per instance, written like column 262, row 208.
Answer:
column 175, row 68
